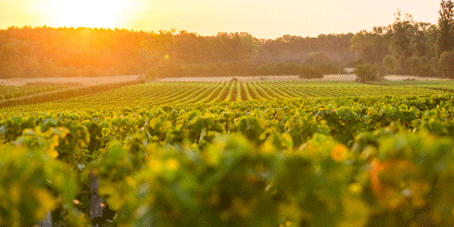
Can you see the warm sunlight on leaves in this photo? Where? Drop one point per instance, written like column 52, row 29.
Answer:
column 339, row 153
column 88, row 13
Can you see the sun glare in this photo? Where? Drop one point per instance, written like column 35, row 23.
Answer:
column 88, row 13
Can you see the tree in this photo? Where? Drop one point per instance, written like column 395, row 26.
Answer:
column 367, row 73
column 403, row 34
column 431, row 33
column 308, row 73
column 445, row 23
column 15, row 56
column 160, row 47
column 371, row 47
column 390, row 63
column 446, row 63
column 420, row 38
column 420, row 66
column 318, row 59
column 425, row 67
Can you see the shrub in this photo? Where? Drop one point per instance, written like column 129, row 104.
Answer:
column 327, row 68
column 318, row 58
column 446, row 63
column 142, row 79
column 367, row 73
column 308, row 73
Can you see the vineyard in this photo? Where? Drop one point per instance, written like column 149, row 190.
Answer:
column 439, row 85
column 171, row 93
column 9, row 92
column 233, row 153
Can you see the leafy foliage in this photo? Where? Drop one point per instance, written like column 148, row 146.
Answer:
column 367, row 73
column 282, row 162
column 446, row 63
column 445, row 22
column 308, row 73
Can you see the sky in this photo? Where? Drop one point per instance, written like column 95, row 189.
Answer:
column 260, row 18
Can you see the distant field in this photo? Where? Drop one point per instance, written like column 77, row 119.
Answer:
column 88, row 81
column 170, row 93
column 432, row 84
column 8, row 92
column 82, row 81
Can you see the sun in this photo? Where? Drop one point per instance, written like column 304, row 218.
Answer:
column 88, row 13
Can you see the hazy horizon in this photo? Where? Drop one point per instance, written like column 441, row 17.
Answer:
column 262, row 19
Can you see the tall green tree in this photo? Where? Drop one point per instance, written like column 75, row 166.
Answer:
column 390, row 63
column 445, row 64
column 403, row 31
column 431, row 33
column 445, row 23
column 15, row 56
column 420, row 40
column 371, row 47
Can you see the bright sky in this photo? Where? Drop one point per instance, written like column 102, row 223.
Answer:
column 261, row 18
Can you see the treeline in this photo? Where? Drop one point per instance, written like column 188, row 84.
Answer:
column 73, row 52
column 409, row 47
column 405, row 47
column 242, row 69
